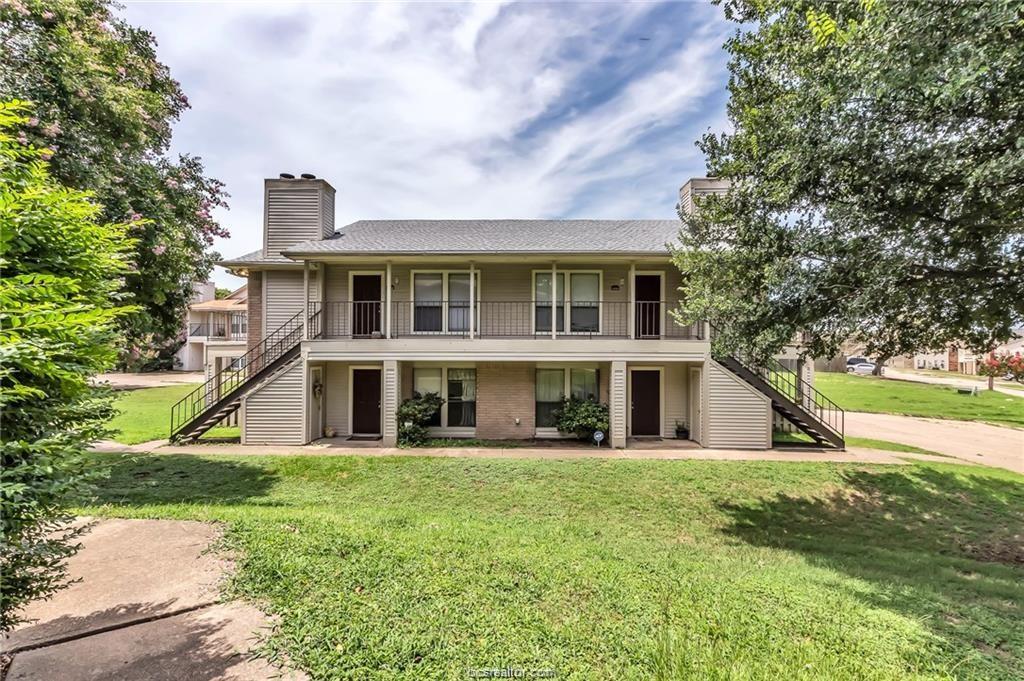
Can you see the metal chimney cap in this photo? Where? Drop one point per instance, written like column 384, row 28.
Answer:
column 308, row 176
column 286, row 176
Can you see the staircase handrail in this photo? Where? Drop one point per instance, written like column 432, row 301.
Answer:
column 793, row 387
column 240, row 370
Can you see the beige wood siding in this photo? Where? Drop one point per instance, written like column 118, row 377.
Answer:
column 273, row 411
column 327, row 212
column 284, row 298
column 737, row 416
column 292, row 215
column 676, row 385
column 336, row 396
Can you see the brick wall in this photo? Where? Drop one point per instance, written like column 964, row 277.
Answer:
column 255, row 303
column 504, row 392
column 953, row 359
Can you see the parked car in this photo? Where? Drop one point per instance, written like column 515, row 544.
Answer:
column 863, row 369
column 854, row 361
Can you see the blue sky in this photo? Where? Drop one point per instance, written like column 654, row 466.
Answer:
column 432, row 110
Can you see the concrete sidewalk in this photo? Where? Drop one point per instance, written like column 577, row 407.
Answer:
column 796, row 454
column 146, row 607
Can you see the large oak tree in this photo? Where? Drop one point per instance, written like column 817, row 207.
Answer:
column 877, row 169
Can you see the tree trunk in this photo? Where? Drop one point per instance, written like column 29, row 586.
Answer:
column 879, row 363
column 991, row 382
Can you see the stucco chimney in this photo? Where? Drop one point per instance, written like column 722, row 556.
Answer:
column 296, row 210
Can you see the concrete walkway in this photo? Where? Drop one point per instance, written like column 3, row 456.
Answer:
column 966, row 440
column 796, row 454
column 146, row 607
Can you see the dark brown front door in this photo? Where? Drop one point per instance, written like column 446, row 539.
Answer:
column 647, row 289
column 365, row 304
column 366, row 401
column 645, row 393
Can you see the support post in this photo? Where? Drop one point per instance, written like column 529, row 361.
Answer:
column 387, row 300
column 554, row 300
column 389, row 403
column 305, row 300
column 472, row 301
column 617, row 391
column 632, row 300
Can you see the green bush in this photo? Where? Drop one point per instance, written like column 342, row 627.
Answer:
column 413, row 416
column 59, row 312
column 582, row 417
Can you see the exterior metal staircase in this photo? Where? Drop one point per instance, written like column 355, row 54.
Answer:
column 221, row 395
column 793, row 398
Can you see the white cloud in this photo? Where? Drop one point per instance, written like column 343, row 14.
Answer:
column 419, row 110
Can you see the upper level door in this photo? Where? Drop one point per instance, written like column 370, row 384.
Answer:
column 366, row 303
column 647, row 290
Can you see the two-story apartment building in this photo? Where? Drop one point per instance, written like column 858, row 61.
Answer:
column 215, row 330
column 502, row 318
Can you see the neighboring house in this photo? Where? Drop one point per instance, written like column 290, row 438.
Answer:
column 503, row 318
column 958, row 359
column 216, row 330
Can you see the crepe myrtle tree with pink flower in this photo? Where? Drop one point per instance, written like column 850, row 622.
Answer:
column 1003, row 365
column 103, row 111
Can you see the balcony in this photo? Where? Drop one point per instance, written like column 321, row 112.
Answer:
column 236, row 330
column 648, row 320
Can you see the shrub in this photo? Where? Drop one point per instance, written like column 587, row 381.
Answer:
column 59, row 309
column 413, row 416
column 582, row 417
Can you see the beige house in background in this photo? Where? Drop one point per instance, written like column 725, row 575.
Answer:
column 502, row 318
column 216, row 330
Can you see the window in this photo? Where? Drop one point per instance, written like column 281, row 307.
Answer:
column 461, row 398
column 424, row 381
column 550, row 391
column 579, row 292
column 554, row 384
column 456, row 386
column 441, row 302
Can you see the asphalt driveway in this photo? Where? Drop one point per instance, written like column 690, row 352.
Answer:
column 972, row 442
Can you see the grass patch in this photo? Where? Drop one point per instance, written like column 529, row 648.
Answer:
column 890, row 396
column 784, row 438
column 440, row 442
column 426, row 567
column 145, row 415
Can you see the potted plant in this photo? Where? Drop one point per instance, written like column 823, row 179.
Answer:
column 682, row 432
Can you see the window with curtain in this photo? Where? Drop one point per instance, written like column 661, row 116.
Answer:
column 542, row 296
column 458, row 302
column 428, row 297
column 428, row 380
column 583, row 383
column 584, row 292
column 550, row 391
column 461, row 398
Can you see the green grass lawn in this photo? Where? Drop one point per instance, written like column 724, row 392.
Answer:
column 145, row 414
column 410, row 567
column 887, row 396
column 784, row 438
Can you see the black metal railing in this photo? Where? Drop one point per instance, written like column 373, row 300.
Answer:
column 503, row 319
column 791, row 386
column 225, row 382
column 234, row 330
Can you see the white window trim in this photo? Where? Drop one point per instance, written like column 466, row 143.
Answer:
column 548, row 431
column 444, row 301
column 566, row 302
column 443, row 430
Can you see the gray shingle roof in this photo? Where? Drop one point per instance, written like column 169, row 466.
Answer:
column 257, row 258
column 496, row 236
